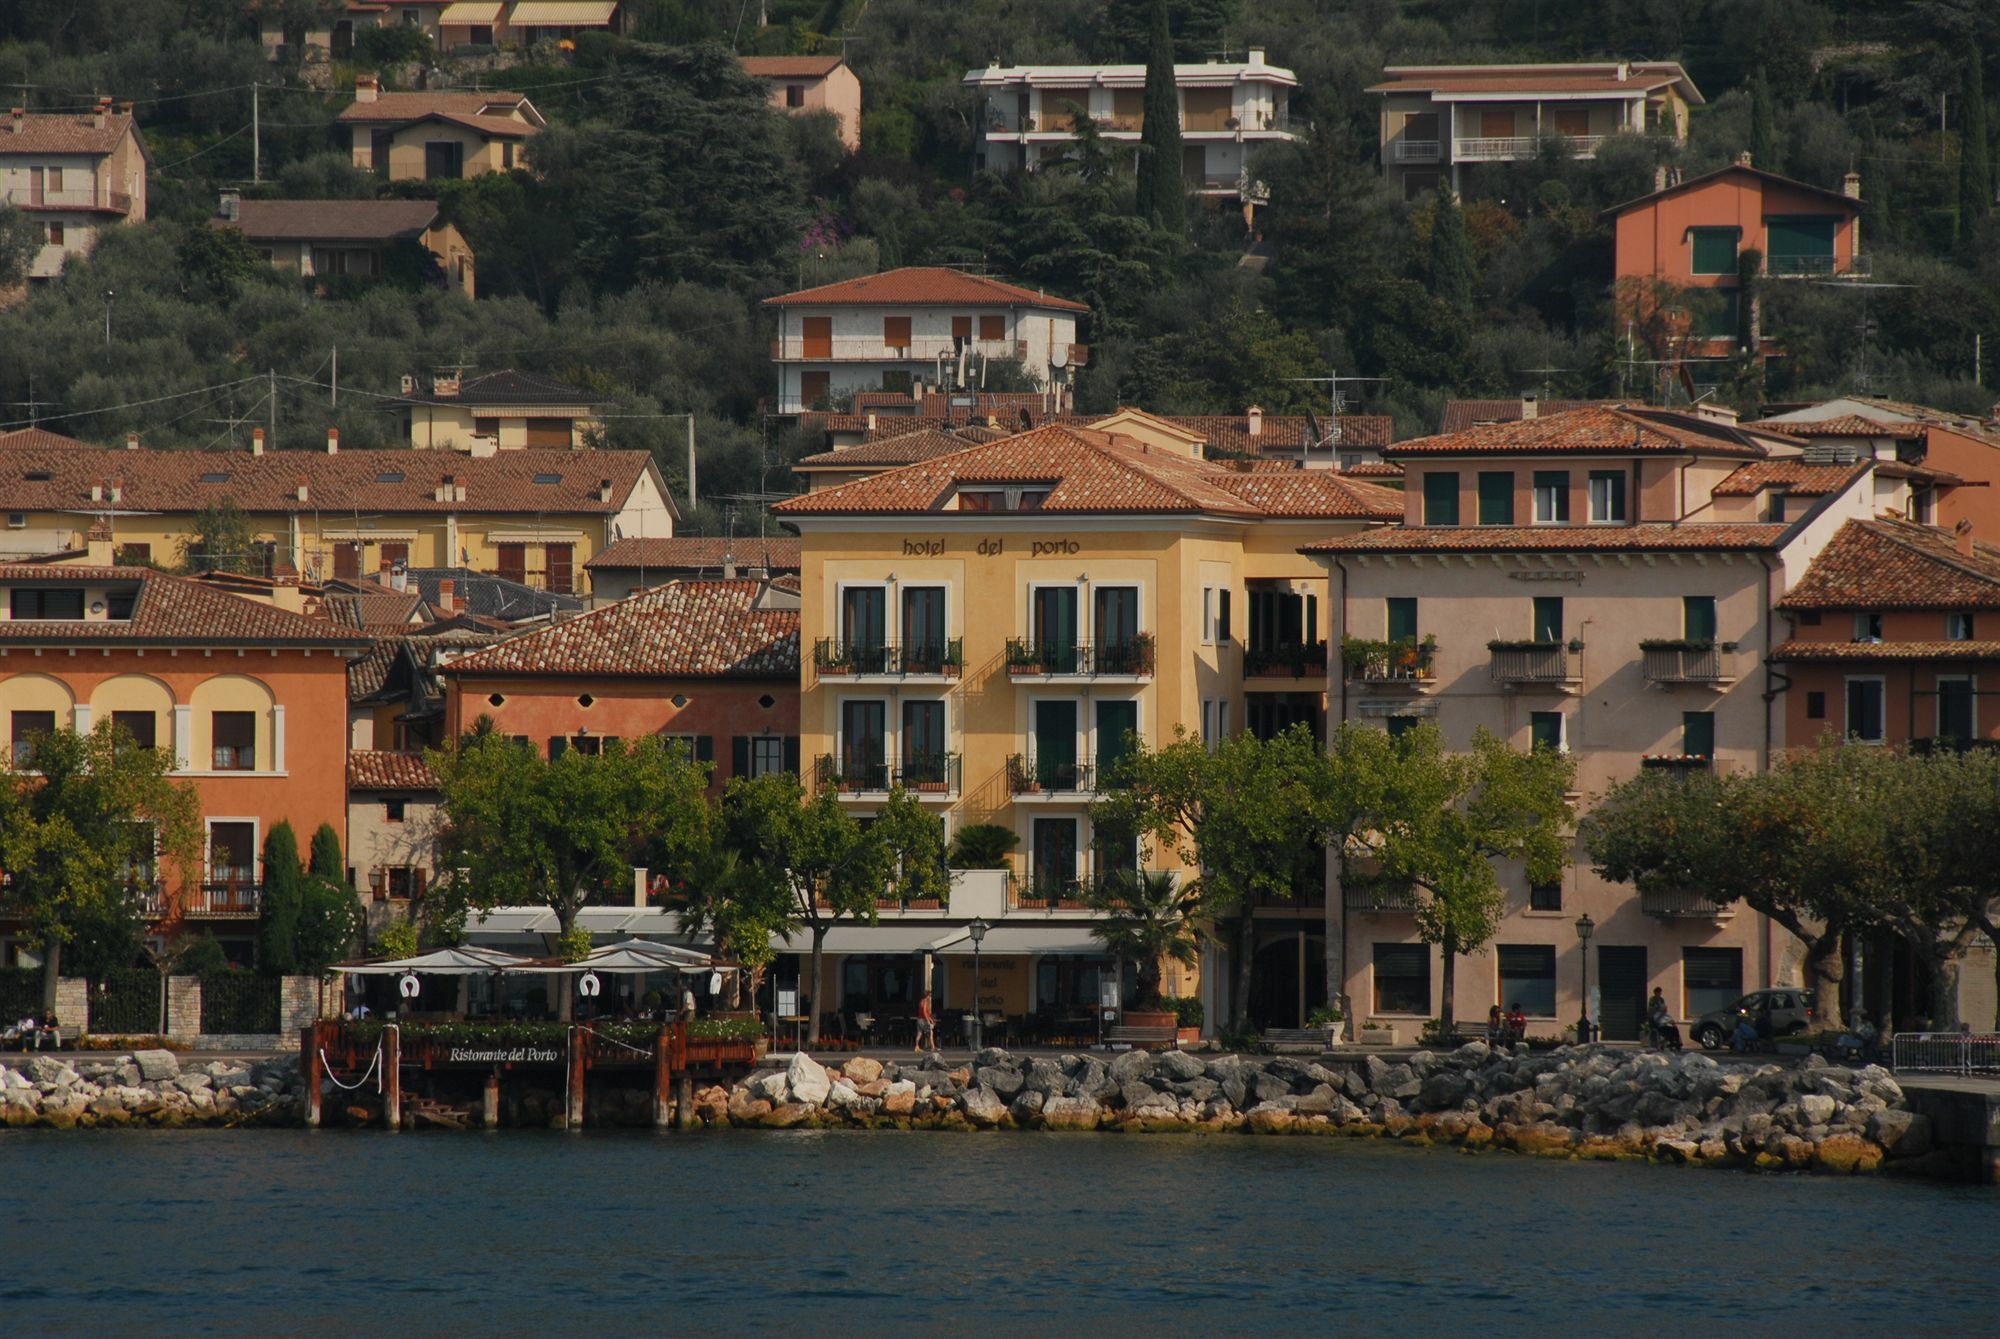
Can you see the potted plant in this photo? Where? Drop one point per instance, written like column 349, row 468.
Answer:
column 1333, row 1020
column 1377, row 1034
column 1187, row 1015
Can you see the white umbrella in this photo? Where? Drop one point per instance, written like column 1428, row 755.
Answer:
column 633, row 955
column 464, row 960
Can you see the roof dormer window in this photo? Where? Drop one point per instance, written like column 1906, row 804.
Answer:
column 548, row 478
column 389, row 477
column 38, row 476
column 1018, row 498
column 218, row 477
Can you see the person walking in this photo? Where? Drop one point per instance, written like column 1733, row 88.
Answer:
column 926, row 1025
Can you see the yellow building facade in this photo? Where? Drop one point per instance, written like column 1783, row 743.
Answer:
column 989, row 628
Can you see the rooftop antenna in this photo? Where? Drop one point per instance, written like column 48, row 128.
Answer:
column 1545, row 373
column 1333, row 381
column 32, row 405
column 1863, row 378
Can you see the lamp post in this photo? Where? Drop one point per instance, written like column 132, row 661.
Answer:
column 1585, row 927
column 978, row 932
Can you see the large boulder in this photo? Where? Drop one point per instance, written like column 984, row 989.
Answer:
column 772, row 1086
column 1131, row 1065
column 49, row 1072
column 1071, row 1113
column 157, row 1065
column 842, row 1093
column 995, row 1055
column 862, row 1070
column 1180, row 1066
column 1027, row 1108
column 1443, row 1089
column 900, row 1099
column 1044, row 1077
column 1269, row 1086
column 983, row 1107
column 1817, row 1108
column 808, row 1079
column 1902, row 1134
column 1005, row 1081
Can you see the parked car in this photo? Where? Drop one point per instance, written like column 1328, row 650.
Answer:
column 1791, row 1011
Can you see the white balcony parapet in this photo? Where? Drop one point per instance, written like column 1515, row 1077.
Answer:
column 1510, row 148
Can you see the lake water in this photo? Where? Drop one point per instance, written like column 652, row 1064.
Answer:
column 851, row 1233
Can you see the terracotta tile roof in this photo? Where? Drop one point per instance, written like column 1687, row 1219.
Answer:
column 1704, row 537
column 368, row 672
column 169, row 611
column 791, row 67
column 1846, row 425
column 60, row 479
column 684, row 629
column 373, row 612
column 1374, row 469
column 1878, row 651
column 1844, row 202
column 1314, row 493
column 923, row 286
column 699, row 553
column 1088, row 472
column 1798, row 477
column 1893, row 564
column 39, row 437
column 1590, row 431
column 42, row 133
column 510, row 386
column 333, row 220
column 904, row 448
column 1539, row 77
column 416, row 106
column 1285, row 432
column 1462, row 414
column 382, row 769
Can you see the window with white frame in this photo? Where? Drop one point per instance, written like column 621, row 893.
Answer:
column 1867, row 627
column 1607, row 496
column 1865, row 724
column 1958, row 627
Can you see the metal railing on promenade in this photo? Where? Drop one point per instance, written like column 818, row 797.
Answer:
column 1946, row 1052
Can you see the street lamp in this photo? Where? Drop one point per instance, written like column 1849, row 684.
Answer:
column 1585, row 927
column 978, row 932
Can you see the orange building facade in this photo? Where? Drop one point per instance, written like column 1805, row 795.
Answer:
column 250, row 700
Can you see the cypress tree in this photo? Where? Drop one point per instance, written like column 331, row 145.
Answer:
column 284, row 896
column 1162, row 194
column 1451, row 255
column 1975, row 167
column 326, row 862
column 1763, row 124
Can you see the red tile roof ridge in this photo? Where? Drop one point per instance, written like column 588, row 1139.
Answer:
column 922, row 285
column 691, row 628
column 1686, row 536
column 1592, row 429
column 170, row 610
column 389, row 769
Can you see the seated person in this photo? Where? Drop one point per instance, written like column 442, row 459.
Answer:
column 1745, row 1036
column 1858, row 1040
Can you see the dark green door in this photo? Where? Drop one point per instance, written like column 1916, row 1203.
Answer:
column 1117, row 722
column 1052, row 858
column 1055, row 745
column 1621, row 982
column 1055, row 628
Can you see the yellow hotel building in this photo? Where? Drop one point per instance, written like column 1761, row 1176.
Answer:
column 531, row 515
column 987, row 627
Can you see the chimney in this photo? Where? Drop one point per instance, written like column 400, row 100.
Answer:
column 256, row 441
column 641, row 886
column 387, row 570
column 125, row 108
column 1660, row 177
column 333, row 441
column 447, row 600
column 100, row 113
column 15, row 118
column 97, row 492
column 1531, row 405
column 871, row 420
column 1743, row 159
column 1253, row 421
column 117, row 490
column 232, row 206
column 728, row 567
column 1624, row 70
column 300, row 491
column 1850, row 185
column 1962, row 533
column 366, row 87
column 603, row 490
column 131, row 441
column 1256, row 61
column 409, row 384
column 399, row 578
column 444, row 386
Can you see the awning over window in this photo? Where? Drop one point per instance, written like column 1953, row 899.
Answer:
column 1072, row 939
column 470, row 11
column 562, row 13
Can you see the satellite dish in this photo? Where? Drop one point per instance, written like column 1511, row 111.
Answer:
column 1059, row 356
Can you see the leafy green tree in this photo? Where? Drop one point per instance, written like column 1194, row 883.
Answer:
column 20, row 242
column 1451, row 255
column 392, row 44
column 822, row 866
column 1975, row 153
column 331, row 918
column 283, row 901
column 531, row 831
column 75, row 827
column 215, row 261
column 1162, row 193
column 326, row 860
column 222, row 540
column 1152, row 918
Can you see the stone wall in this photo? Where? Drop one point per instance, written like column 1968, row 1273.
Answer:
column 298, row 1005
column 184, row 1009
column 73, row 1004
column 155, row 1088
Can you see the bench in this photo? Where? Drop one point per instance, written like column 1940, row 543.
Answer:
column 1164, row 1036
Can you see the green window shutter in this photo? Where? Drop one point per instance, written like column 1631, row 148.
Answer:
column 1402, row 618
column 1698, row 618
column 1799, row 245
column 792, row 754
column 1548, row 618
column 558, row 745
column 739, row 755
column 1698, row 734
column 1714, row 250
column 1222, row 616
column 1545, row 729
column 704, row 748
column 1441, row 498
column 1496, row 497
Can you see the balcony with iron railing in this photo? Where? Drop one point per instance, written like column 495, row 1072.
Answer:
column 929, row 774
column 233, row 897
column 1399, row 664
column 1131, row 658
column 1682, row 661
column 926, row 775
column 835, row 657
column 1405, row 150
column 1520, row 148
column 1529, row 662
column 1677, row 762
column 874, row 349
column 1374, row 893
column 1816, row 267
column 1028, row 775
column 1285, row 660
column 116, row 202
column 1683, row 904
column 1095, row 889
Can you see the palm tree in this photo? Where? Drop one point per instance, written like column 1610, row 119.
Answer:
column 1151, row 917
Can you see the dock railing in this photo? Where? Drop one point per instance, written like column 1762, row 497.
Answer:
column 1945, row 1052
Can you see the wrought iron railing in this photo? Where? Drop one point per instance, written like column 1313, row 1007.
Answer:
column 1681, row 664
column 1029, row 775
column 1675, row 903
column 1360, row 892
column 1296, row 659
column 223, row 899
column 1946, row 1052
column 852, row 775
column 929, row 773
column 1546, row 662
column 1132, row 656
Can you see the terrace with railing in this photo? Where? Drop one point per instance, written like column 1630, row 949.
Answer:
column 223, row 899
column 1529, row 662
column 1294, row 660
column 1129, row 657
column 1403, row 663
column 1029, row 775
column 1677, row 661
column 833, row 656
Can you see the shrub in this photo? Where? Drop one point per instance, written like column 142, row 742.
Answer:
column 982, row 846
column 1187, row 1008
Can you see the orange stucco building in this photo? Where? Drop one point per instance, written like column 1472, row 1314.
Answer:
column 250, row 698
column 714, row 664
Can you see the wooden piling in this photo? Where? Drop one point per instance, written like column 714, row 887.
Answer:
column 578, row 1040
column 663, row 1077
column 684, row 1101
column 309, row 1068
column 392, row 1077
column 489, row 1112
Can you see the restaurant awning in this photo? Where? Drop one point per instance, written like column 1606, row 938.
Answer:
column 464, row 960
column 889, row 939
column 635, row 956
column 1027, row 939
column 562, row 13
column 470, row 11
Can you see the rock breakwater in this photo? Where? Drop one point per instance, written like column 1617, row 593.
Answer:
column 148, row 1088
column 1574, row 1102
